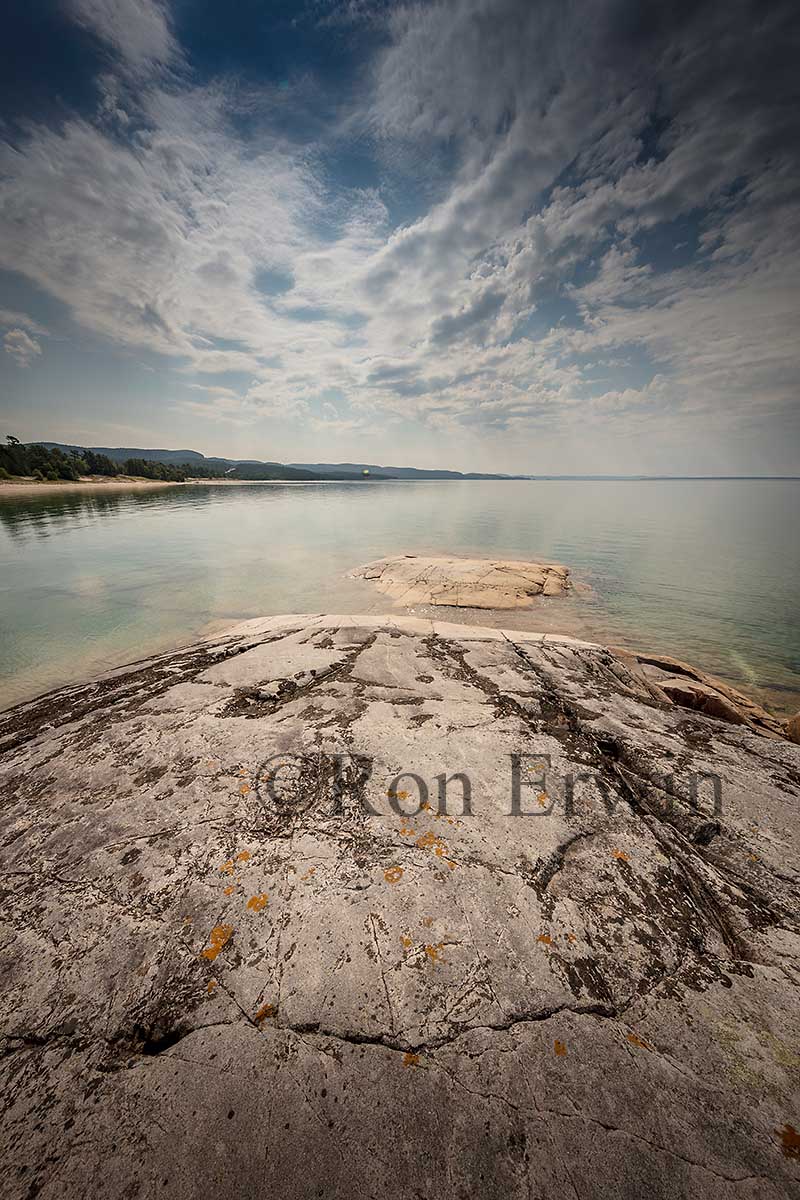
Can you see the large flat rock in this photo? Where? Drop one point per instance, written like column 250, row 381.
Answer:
column 242, row 958
column 464, row 582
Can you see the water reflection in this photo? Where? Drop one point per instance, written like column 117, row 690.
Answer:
column 42, row 516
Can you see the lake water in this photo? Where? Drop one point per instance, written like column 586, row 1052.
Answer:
column 706, row 570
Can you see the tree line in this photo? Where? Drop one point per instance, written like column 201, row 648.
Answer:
column 54, row 464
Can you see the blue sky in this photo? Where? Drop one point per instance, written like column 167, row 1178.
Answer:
column 491, row 234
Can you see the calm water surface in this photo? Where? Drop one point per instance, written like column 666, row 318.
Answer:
column 706, row 570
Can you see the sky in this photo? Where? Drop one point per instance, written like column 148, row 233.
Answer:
column 534, row 236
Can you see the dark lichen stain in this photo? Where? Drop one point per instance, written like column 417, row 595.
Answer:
column 150, row 775
column 790, row 1141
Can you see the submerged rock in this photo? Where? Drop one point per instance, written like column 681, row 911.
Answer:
column 257, row 945
column 464, row 582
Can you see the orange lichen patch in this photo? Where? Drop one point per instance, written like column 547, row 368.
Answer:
column 790, row 1141
column 393, row 874
column 243, row 856
column 308, row 874
column 256, row 903
column 451, row 864
column 228, row 891
column 227, row 867
column 621, row 855
column 545, row 939
column 266, row 1010
column 571, row 937
column 393, row 795
column 542, row 799
column 559, row 1049
column 407, row 941
column 429, row 841
column 425, row 807
column 243, row 771
column 244, row 788
column 434, row 953
column 220, row 936
column 407, row 831
column 635, row 1040
column 410, row 1060
column 212, row 983
column 753, row 857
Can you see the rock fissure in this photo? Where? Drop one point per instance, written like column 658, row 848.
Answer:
column 612, row 760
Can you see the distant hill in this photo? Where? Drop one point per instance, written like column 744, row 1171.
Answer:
column 399, row 472
column 255, row 469
column 233, row 468
column 121, row 453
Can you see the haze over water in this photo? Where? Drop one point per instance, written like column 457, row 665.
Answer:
column 706, row 570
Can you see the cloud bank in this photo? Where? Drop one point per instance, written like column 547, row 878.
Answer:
column 581, row 221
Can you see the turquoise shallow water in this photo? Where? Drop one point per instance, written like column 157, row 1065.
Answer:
column 708, row 570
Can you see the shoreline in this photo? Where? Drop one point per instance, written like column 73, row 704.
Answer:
column 547, row 615
column 282, row 482
column 698, row 691
column 127, row 483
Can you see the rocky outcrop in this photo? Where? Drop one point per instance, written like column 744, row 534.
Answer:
column 497, row 585
column 675, row 682
column 260, row 941
column 464, row 582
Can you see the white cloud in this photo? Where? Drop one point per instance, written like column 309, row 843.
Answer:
column 568, row 140
column 155, row 243
column 22, row 348
column 139, row 30
column 10, row 316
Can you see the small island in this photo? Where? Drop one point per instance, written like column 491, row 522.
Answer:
column 465, row 582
